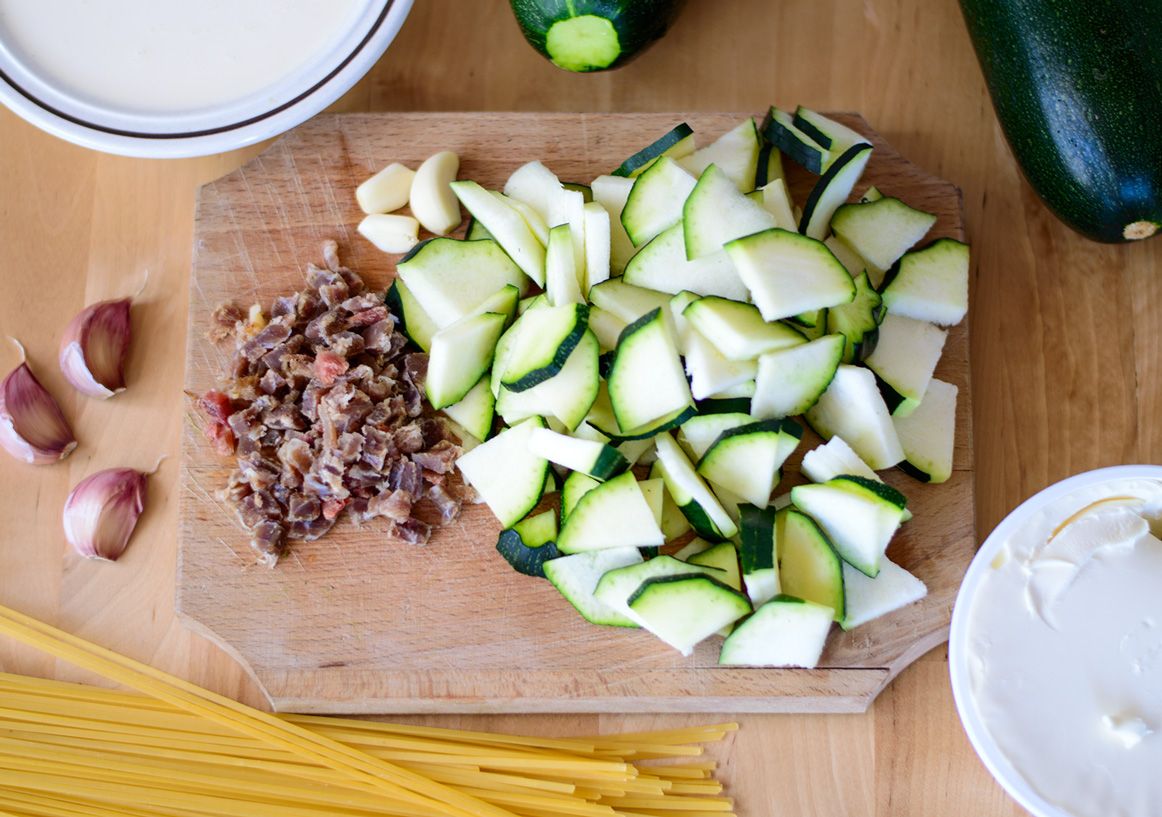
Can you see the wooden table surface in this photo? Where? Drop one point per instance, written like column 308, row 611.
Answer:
column 1064, row 338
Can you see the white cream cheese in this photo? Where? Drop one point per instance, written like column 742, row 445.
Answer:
column 1065, row 650
column 165, row 56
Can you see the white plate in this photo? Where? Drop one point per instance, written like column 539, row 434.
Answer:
column 294, row 99
column 981, row 739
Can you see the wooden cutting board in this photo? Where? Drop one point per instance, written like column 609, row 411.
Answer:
column 359, row 623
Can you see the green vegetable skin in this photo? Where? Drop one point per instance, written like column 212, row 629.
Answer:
column 593, row 35
column 1077, row 87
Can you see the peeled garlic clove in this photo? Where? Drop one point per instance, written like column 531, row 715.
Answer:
column 94, row 347
column 32, row 427
column 101, row 512
column 433, row 203
column 387, row 190
column 390, row 233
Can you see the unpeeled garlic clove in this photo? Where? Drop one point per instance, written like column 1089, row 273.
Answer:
column 94, row 346
column 102, row 511
column 32, row 427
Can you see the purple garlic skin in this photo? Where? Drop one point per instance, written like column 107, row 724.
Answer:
column 101, row 512
column 32, row 427
column 94, row 347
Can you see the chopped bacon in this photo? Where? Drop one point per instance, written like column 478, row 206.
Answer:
column 328, row 367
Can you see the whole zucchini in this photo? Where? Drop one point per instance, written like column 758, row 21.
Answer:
column 1077, row 87
column 593, row 35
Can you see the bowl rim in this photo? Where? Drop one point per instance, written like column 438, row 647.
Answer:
column 983, row 743
column 347, row 65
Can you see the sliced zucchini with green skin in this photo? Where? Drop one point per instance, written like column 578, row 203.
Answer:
column 788, row 274
column 685, row 610
column 503, row 302
column 737, row 329
column 475, row 410
column 674, row 523
column 662, row 265
column 834, row 459
column 880, row 231
column 769, row 166
column 476, row 231
column 535, row 185
column 602, row 418
column 928, row 434
column 598, row 460
column 777, row 202
column 710, row 372
column 746, row 460
column 715, row 212
column 758, row 548
column 735, row 153
column 930, row 284
column 529, row 544
column 646, row 381
column 533, row 219
column 859, row 516
column 676, row 143
column 636, row 450
column 562, row 284
column 856, row 319
column 597, row 245
column 545, row 341
column 904, row 358
column 724, row 557
column 525, row 304
column 568, row 395
column 809, row 566
column 699, row 433
column 611, row 193
column 791, row 381
column 576, row 577
column 460, row 356
column 507, row 226
column 868, row 599
column 826, row 132
column 853, row 408
column 614, row 514
column 508, row 477
column 616, row 586
column 414, row 321
column 742, row 390
column 656, row 200
column 606, row 327
column 779, row 129
column 832, row 190
column 784, row 632
column 576, row 486
column 626, row 300
column 692, row 548
column 691, row 494
column 449, row 279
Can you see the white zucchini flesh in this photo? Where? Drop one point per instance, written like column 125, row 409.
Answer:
column 684, row 611
column 784, row 632
column 568, row 207
column 880, row 231
column 507, row 226
column 614, row 514
column 475, row 410
column 687, row 487
column 656, row 200
column 506, row 475
column 698, row 433
column 597, row 244
column 737, row 329
column 616, row 586
column 788, row 274
column 869, row 599
column 654, row 491
column 662, row 265
column 931, row 284
column 692, row 548
column 592, row 458
column 790, row 381
column 846, row 255
column 576, row 577
column 736, row 153
column 716, row 212
column 826, row 131
column 431, row 195
column 460, row 356
column 777, row 202
column 535, row 185
column 627, row 301
column 449, row 279
column 532, row 218
column 928, row 434
column 832, row 190
column 680, row 325
column 832, row 459
column 611, row 193
column 905, row 357
column 746, row 461
column 646, row 381
column 853, row 409
column 606, row 326
column 561, row 280
column 569, row 394
column 710, row 372
column 859, row 523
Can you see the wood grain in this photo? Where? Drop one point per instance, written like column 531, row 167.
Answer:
column 367, row 624
column 76, row 226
